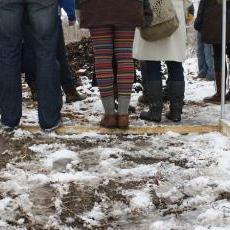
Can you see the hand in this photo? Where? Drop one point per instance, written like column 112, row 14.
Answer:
column 72, row 23
column 189, row 19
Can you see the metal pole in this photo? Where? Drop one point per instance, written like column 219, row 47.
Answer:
column 223, row 60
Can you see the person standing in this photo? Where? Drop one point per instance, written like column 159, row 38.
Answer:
column 43, row 18
column 204, row 51
column 112, row 26
column 212, row 34
column 205, row 59
column 172, row 50
column 66, row 78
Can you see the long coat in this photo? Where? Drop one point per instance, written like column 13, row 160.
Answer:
column 172, row 48
column 211, row 22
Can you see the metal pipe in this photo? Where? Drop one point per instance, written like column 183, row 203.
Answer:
column 223, row 87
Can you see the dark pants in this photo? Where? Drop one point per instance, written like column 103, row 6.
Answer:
column 28, row 54
column 67, row 79
column 29, row 65
column 151, row 71
column 217, row 48
column 42, row 17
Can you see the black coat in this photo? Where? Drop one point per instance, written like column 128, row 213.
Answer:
column 209, row 21
column 200, row 15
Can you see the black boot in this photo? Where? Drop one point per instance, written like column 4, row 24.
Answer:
column 176, row 98
column 154, row 94
column 165, row 93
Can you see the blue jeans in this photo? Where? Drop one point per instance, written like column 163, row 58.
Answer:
column 205, row 58
column 67, row 79
column 42, row 16
column 28, row 56
column 29, row 65
column 151, row 71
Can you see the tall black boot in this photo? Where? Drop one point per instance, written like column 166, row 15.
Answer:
column 176, row 98
column 154, row 95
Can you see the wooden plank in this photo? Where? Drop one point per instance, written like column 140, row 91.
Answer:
column 133, row 130
column 225, row 127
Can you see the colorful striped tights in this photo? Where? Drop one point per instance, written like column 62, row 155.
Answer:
column 109, row 42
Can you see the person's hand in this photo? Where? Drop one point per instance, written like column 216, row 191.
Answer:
column 72, row 23
column 189, row 19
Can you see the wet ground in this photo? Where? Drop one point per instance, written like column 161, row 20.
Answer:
column 95, row 181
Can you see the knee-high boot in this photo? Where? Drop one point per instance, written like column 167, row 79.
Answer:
column 176, row 97
column 154, row 96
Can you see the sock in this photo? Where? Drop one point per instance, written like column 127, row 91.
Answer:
column 109, row 105
column 123, row 105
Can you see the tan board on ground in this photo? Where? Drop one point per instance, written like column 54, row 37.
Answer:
column 225, row 127
column 133, row 130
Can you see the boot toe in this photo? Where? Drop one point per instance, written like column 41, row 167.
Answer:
column 109, row 121
column 148, row 116
column 123, row 121
column 175, row 117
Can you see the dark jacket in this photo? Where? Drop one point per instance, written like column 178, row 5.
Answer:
column 98, row 13
column 200, row 16
column 209, row 21
column 69, row 8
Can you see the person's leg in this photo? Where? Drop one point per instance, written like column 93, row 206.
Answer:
column 43, row 18
column 10, row 62
column 201, row 57
column 151, row 72
column 176, row 89
column 65, row 75
column 28, row 59
column 67, row 81
column 216, row 98
column 208, row 51
column 103, row 50
column 123, row 43
column 143, row 99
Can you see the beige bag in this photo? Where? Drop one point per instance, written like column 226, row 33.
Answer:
column 165, row 21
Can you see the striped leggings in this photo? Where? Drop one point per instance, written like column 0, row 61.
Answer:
column 109, row 42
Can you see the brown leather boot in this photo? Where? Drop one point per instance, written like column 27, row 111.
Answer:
column 72, row 94
column 109, row 121
column 216, row 98
column 123, row 121
column 78, row 82
column 34, row 92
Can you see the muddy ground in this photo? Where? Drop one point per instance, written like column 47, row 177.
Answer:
column 112, row 182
